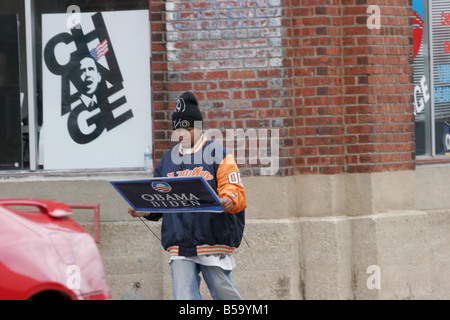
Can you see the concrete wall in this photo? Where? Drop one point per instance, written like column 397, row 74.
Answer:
column 309, row 237
column 301, row 258
column 431, row 190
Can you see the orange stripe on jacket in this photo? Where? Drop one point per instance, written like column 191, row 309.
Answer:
column 218, row 247
column 204, row 249
column 229, row 184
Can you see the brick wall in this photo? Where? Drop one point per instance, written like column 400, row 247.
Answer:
column 339, row 94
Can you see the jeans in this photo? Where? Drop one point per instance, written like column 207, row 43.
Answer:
column 186, row 281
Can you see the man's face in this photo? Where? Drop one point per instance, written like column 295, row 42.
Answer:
column 89, row 75
column 187, row 136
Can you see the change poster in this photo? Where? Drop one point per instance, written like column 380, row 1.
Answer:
column 96, row 90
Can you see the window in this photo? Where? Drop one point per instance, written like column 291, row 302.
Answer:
column 90, row 77
column 11, row 84
column 431, row 21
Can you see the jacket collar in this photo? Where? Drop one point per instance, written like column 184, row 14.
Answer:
column 197, row 146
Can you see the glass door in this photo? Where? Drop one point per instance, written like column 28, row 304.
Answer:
column 11, row 140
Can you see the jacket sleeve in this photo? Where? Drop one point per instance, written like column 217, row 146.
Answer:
column 229, row 183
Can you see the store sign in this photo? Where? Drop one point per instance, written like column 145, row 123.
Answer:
column 421, row 90
column 181, row 194
column 421, row 86
column 96, row 89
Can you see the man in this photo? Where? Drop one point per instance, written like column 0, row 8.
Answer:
column 201, row 241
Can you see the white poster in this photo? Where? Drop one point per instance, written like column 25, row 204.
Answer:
column 96, row 90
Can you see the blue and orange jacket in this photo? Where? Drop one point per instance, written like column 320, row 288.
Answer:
column 201, row 233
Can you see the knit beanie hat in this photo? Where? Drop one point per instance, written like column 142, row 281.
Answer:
column 186, row 112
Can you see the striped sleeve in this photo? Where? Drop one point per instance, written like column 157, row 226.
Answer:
column 229, row 183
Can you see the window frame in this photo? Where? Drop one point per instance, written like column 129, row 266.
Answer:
column 31, row 66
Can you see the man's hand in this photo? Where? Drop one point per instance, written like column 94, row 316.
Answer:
column 136, row 214
column 226, row 203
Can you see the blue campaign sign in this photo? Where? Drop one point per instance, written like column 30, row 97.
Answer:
column 179, row 194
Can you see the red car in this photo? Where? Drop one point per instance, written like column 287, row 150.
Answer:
column 44, row 254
